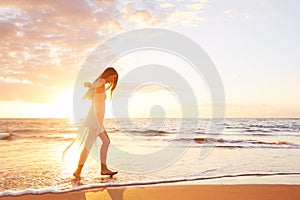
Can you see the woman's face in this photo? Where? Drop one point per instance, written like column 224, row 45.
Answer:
column 111, row 78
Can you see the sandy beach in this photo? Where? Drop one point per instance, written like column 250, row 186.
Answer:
column 254, row 191
column 149, row 100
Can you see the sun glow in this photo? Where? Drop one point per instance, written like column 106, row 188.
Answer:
column 71, row 154
column 62, row 105
column 70, row 157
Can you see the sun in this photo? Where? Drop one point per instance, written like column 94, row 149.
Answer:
column 62, row 106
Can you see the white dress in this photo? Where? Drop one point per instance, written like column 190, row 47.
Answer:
column 93, row 124
column 91, row 127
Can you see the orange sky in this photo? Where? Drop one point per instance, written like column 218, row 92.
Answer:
column 254, row 46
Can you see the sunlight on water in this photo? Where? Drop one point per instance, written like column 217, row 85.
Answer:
column 69, row 136
column 34, row 151
column 71, row 154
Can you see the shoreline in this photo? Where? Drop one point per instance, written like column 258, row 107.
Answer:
column 203, row 191
column 282, row 179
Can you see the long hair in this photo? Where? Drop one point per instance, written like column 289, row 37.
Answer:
column 110, row 71
column 104, row 75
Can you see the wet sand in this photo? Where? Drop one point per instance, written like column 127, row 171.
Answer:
column 213, row 192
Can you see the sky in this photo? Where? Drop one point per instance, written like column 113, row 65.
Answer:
column 254, row 45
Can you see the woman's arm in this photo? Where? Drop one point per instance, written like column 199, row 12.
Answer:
column 99, row 84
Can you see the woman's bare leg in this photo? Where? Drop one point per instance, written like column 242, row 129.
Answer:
column 103, row 154
column 84, row 154
column 104, row 147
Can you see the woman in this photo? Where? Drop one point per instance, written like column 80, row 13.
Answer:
column 93, row 126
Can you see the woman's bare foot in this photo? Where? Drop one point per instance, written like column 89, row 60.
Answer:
column 108, row 172
column 77, row 175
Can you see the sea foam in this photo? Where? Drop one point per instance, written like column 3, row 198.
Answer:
column 4, row 136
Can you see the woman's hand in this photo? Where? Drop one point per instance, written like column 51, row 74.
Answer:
column 87, row 84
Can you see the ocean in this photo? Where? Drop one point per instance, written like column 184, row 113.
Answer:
column 146, row 151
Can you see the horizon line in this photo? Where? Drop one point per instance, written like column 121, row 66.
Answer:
column 156, row 118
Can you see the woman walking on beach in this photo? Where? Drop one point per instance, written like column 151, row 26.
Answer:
column 93, row 125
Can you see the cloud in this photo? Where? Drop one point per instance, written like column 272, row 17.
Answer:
column 7, row 29
column 164, row 13
column 187, row 14
column 196, row 6
column 14, row 80
column 141, row 18
column 167, row 5
column 233, row 13
column 184, row 17
column 44, row 43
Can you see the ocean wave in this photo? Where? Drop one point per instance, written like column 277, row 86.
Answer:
column 5, row 136
column 52, row 137
column 148, row 132
column 155, row 182
column 221, row 140
column 227, row 143
column 246, row 127
column 269, row 126
column 255, row 147
column 65, row 137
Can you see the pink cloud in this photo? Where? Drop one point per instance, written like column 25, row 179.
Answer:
column 43, row 43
